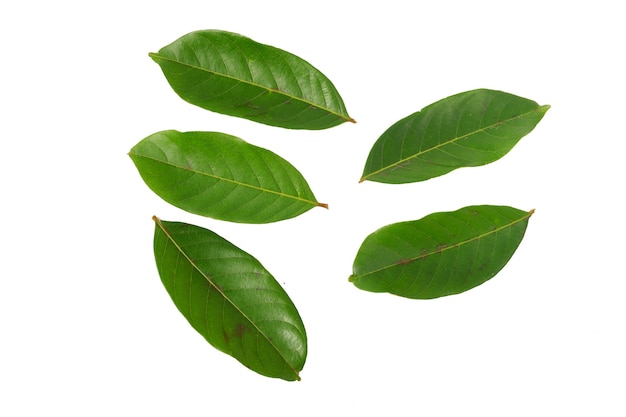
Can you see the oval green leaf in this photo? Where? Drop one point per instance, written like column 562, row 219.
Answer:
column 465, row 130
column 221, row 176
column 441, row 254
column 231, row 74
column 230, row 299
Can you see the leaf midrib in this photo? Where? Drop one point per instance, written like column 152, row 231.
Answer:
column 346, row 118
column 450, row 141
column 453, row 246
column 221, row 292
column 232, row 181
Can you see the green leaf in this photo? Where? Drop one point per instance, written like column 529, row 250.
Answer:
column 441, row 254
column 220, row 176
column 230, row 74
column 465, row 130
column 230, row 299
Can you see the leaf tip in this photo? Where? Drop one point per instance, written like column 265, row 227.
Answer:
column 543, row 109
column 155, row 219
column 154, row 56
column 322, row 205
column 531, row 212
column 351, row 278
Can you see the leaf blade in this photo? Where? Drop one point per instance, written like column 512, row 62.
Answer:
column 231, row 74
column 469, row 129
column 228, row 297
column 221, row 176
column 441, row 254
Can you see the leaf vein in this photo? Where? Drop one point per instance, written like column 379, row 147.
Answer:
column 449, row 247
column 251, row 83
column 448, row 142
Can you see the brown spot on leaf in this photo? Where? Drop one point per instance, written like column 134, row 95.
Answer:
column 401, row 165
column 441, row 247
column 240, row 329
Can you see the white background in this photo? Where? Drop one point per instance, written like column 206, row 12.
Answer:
column 86, row 326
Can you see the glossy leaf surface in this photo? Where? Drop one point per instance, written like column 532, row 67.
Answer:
column 221, row 176
column 465, row 130
column 231, row 74
column 441, row 254
column 230, row 299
